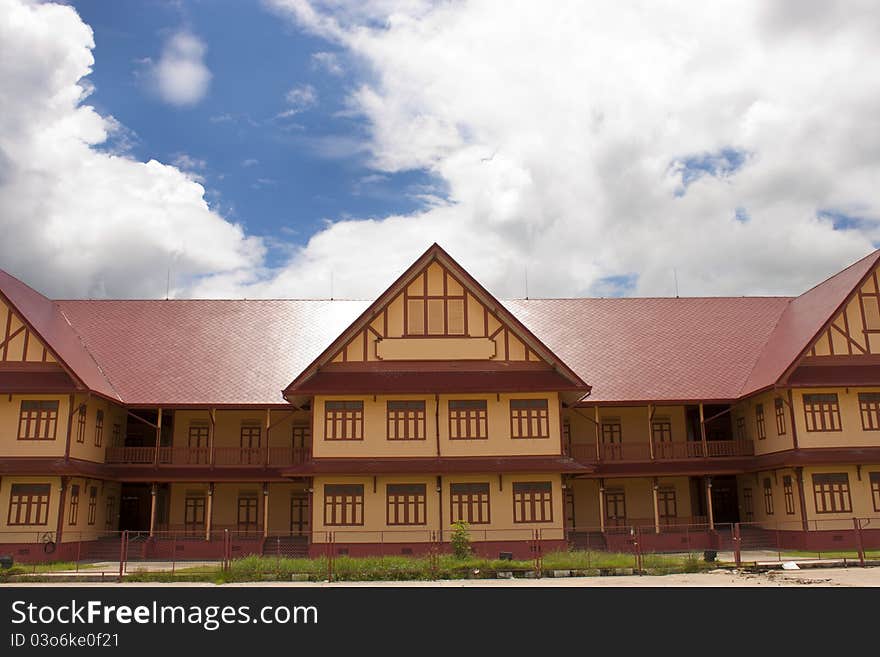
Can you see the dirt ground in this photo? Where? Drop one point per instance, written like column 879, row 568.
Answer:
column 719, row 578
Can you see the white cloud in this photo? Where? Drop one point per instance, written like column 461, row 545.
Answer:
column 77, row 219
column 180, row 75
column 249, row 162
column 570, row 140
column 327, row 61
column 299, row 99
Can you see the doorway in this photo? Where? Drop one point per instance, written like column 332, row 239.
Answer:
column 299, row 514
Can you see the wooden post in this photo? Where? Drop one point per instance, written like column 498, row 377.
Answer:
column 598, row 428
column 654, row 488
column 709, row 512
column 158, row 440
column 212, row 421
column 651, row 436
column 799, row 475
column 59, row 527
column 602, row 505
column 703, row 432
column 268, row 424
column 209, row 512
column 311, row 491
column 154, row 492
column 265, row 509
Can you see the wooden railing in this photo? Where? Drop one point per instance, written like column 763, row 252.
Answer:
column 201, row 456
column 666, row 451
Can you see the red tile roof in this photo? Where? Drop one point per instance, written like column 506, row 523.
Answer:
column 243, row 352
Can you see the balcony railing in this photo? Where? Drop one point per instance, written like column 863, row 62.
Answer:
column 666, row 451
column 201, row 456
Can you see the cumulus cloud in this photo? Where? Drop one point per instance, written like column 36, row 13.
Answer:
column 181, row 76
column 299, row 99
column 79, row 219
column 327, row 61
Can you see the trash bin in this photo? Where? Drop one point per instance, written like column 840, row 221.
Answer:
column 6, row 561
column 710, row 555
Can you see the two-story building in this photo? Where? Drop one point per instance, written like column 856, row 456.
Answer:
column 373, row 427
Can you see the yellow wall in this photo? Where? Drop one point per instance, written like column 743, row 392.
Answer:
column 852, row 434
column 634, row 424
column 227, row 429
column 24, row 347
column 376, row 444
column 638, row 495
column 774, row 442
column 9, row 414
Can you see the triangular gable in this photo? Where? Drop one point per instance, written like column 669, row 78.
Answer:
column 44, row 323
column 435, row 311
column 18, row 344
column 808, row 319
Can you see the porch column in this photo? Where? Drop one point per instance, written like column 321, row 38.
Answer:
column 602, row 505
column 59, row 527
column 158, row 441
column 311, row 492
column 799, row 475
column 709, row 512
column 266, row 510
column 598, row 428
column 651, row 436
column 703, row 437
column 268, row 425
column 209, row 512
column 654, row 489
column 212, row 420
column 154, row 492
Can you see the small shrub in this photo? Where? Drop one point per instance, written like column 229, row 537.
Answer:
column 461, row 540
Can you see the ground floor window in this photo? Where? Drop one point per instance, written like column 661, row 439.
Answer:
column 831, row 493
column 194, row 512
column 28, row 504
column 788, row 490
column 533, row 501
column 875, row 490
column 406, row 504
column 667, row 506
column 93, row 504
column 111, row 508
column 470, row 503
column 247, row 513
column 73, row 516
column 748, row 509
column 343, row 504
column 615, row 508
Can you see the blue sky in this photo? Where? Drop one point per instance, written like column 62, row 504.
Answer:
column 279, row 177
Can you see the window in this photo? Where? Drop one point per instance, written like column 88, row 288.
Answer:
column 788, row 492
column 741, row 428
column 73, row 514
column 406, row 504
column 93, row 504
column 869, row 405
column 247, row 512
column 344, row 420
column 81, row 424
column 748, row 511
column 822, row 412
column 301, row 436
column 37, row 420
column 28, row 504
column 406, row 420
column 831, row 493
column 768, row 497
column 667, row 506
column 249, row 441
column 469, row 503
column 533, row 501
column 529, row 418
column 611, row 432
column 467, row 420
column 117, row 435
column 875, row 489
column 615, row 507
column 434, row 304
column 109, row 517
column 759, row 421
column 343, row 504
column 197, row 441
column 99, row 429
column 661, row 430
column 779, row 405
column 194, row 511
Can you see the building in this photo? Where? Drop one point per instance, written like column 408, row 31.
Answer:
column 372, row 427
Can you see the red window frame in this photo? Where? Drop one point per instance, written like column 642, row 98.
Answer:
column 470, row 503
column 532, row 501
column 768, row 497
column 344, row 420
column 667, row 505
column 779, row 407
column 194, row 512
column 788, row 492
column 405, row 419
column 748, row 508
column 529, row 418
column 81, row 424
column 109, row 507
column 99, row 428
column 661, row 430
column 822, row 412
column 759, row 422
column 874, row 478
column 741, row 428
column 93, row 504
column 38, row 419
column 430, row 315
column 343, row 505
column 831, row 493
column 28, row 505
column 468, row 419
column 869, row 409
column 615, row 507
column 247, row 519
column 73, row 513
column 406, row 504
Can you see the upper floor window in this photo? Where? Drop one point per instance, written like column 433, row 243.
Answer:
column 529, row 418
column 434, row 304
column 343, row 504
column 28, row 504
column 300, row 436
column 81, row 424
column 406, row 420
column 468, row 419
column 779, row 406
column 469, row 503
column 831, row 493
column 37, row 420
column 405, row 504
column 759, row 422
column 822, row 412
column 73, row 515
column 344, row 420
column 768, row 497
column 661, row 430
column 533, row 501
column 99, row 429
column 788, row 491
column 198, row 435
column 611, row 431
column 117, row 435
column 741, row 428
column 869, row 406
column 249, row 436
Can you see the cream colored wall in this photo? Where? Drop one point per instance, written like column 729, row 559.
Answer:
column 227, row 428
column 852, row 434
column 113, row 413
column 30, row 533
column 774, row 442
column 638, row 495
column 634, row 422
column 82, row 530
column 10, row 407
column 375, row 529
column 779, row 519
column 376, row 444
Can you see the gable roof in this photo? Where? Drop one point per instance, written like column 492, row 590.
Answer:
column 435, row 253
column 46, row 320
column 804, row 319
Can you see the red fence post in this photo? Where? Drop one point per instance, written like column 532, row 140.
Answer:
column 78, row 551
column 857, row 525
column 737, row 545
column 123, row 540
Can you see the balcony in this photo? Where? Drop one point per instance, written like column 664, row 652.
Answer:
column 201, row 456
column 667, row 451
